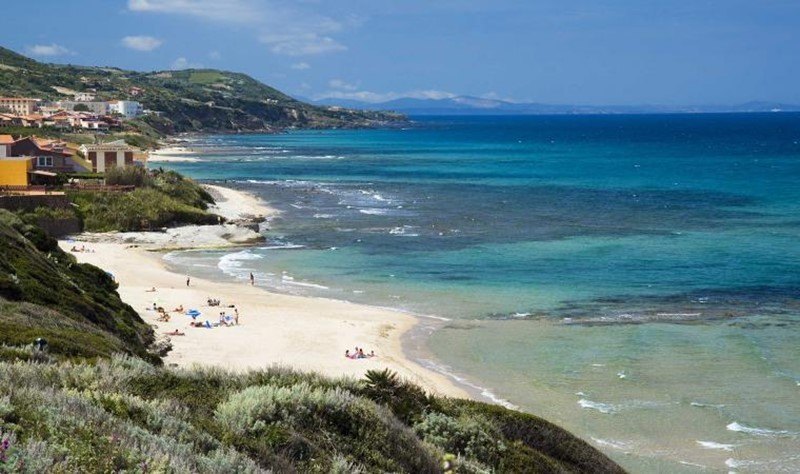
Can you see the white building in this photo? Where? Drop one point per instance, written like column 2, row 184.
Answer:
column 126, row 108
column 95, row 107
column 84, row 97
column 105, row 156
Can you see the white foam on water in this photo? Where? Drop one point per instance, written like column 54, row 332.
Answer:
column 715, row 445
column 283, row 247
column 601, row 407
column 232, row 263
column 323, row 216
column 740, row 428
column 374, row 211
column 291, row 281
column 706, row 405
column 520, row 315
column 613, row 444
column 485, row 392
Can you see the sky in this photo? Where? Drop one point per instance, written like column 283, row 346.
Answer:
column 592, row 52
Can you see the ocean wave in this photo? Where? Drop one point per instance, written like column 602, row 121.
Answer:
column 740, row 428
column 605, row 408
column 706, row 405
column 613, row 444
column 374, row 211
column 282, row 247
column 485, row 392
column 715, row 445
column 291, row 281
column 233, row 263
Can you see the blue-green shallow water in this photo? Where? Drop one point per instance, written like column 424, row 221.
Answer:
column 634, row 278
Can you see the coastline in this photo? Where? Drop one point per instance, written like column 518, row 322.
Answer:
column 301, row 332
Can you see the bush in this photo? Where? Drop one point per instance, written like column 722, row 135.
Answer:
column 468, row 437
column 128, row 176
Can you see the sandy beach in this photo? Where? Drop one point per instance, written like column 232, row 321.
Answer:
column 300, row 332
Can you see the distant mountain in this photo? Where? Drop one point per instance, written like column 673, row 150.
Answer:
column 466, row 105
column 188, row 100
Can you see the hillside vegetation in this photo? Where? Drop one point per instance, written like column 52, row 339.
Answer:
column 45, row 293
column 188, row 100
column 162, row 198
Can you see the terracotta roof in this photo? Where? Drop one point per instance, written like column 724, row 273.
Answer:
column 6, row 140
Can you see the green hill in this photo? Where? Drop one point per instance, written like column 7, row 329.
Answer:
column 187, row 100
column 45, row 293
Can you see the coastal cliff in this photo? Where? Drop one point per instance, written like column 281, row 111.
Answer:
column 190, row 100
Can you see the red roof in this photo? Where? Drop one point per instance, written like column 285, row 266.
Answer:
column 6, row 140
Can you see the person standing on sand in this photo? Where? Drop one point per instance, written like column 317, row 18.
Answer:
column 252, row 279
column 188, row 280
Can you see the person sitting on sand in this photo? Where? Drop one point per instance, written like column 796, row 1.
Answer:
column 151, row 290
column 347, row 354
column 175, row 333
column 371, row 354
column 361, row 354
column 179, row 309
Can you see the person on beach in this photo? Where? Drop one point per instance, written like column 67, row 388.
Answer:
column 252, row 279
column 236, row 316
column 151, row 290
column 188, row 280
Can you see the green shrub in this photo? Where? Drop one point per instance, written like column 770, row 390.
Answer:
column 468, row 437
column 128, row 176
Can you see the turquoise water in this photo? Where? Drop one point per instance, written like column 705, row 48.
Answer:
column 633, row 278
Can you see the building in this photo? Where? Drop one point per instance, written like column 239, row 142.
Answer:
column 18, row 105
column 126, row 108
column 5, row 145
column 15, row 171
column 95, row 107
column 84, row 97
column 48, row 155
column 105, row 156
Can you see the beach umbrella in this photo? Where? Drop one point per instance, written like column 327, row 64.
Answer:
column 193, row 313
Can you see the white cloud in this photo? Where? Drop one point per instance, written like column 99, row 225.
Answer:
column 141, row 43
column 342, row 85
column 300, row 66
column 236, row 11
column 286, row 27
column 48, row 50
column 373, row 97
column 183, row 63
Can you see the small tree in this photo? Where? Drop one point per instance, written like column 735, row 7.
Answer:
column 81, row 108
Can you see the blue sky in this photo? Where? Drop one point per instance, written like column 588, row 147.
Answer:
column 672, row 52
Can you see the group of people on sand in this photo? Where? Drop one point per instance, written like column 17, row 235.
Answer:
column 229, row 320
column 81, row 249
column 358, row 353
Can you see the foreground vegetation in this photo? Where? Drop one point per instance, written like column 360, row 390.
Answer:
column 162, row 198
column 123, row 414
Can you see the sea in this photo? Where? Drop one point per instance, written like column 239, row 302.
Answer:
column 632, row 278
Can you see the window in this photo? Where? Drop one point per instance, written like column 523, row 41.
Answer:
column 44, row 161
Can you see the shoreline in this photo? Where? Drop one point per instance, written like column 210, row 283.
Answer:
column 300, row 332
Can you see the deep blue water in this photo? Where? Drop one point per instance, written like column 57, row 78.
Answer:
column 525, row 214
column 544, row 239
